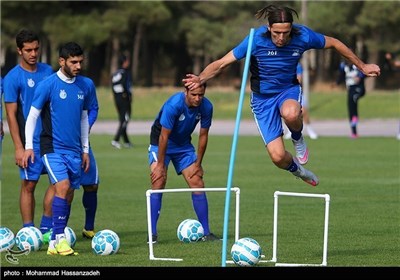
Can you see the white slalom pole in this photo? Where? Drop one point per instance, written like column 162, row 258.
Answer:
column 233, row 150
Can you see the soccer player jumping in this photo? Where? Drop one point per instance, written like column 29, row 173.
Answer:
column 276, row 92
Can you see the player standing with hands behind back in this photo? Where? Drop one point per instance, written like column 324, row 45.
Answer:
column 276, row 93
column 62, row 101
column 121, row 87
column 355, row 84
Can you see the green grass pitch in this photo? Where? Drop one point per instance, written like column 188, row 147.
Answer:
column 361, row 176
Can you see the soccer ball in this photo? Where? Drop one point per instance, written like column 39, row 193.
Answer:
column 246, row 252
column 7, row 240
column 105, row 242
column 29, row 238
column 70, row 236
column 190, row 230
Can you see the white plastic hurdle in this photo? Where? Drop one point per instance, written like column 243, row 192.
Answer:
column 150, row 236
column 275, row 230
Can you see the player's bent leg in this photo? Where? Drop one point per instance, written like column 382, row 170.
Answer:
column 301, row 150
column 305, row 174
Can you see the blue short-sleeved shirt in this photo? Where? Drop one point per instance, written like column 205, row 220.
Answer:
column 62, row 102
column 181, row 120
column 273, row 69
column 19, row 87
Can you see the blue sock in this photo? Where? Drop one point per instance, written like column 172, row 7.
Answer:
column 155, row 199
column 292, row 167
column 200, row 205
column 46, row 224
column 60, row 213
column 89, row 201
column 31, row 224
column 68, row 213
column 296, row 135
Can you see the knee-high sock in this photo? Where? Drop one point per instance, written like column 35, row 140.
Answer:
column 89, row 201
column 46, row 224
column 60, row 213
column 69, row 213
column 200, row 205
column 155, row 199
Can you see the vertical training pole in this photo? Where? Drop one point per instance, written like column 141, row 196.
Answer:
column 234, row 144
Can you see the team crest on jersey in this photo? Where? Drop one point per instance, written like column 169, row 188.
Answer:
column 296, row 53
column 63, row 94
column 182, row 117
column 198, row 117
column 31, row 83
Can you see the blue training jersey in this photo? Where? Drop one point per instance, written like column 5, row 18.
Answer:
column 19, row 86
column 62, row 101
column 299, row 69
column 181, row 120
column 272, row 68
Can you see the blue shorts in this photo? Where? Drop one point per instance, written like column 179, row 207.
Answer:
column 266, row 111
column 63, row 166
column 180, row 159
column 92, row 176
column 34, row 170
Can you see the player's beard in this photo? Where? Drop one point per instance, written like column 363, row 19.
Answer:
column 70, row 73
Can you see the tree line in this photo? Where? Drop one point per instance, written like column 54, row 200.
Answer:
column 167, row 39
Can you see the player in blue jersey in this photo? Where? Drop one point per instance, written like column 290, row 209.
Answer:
column 1, row 116
column 276, row 93
column 90, row 182
column 19, row 85
column 62, row 101
column 170, row 140
column 1, row 124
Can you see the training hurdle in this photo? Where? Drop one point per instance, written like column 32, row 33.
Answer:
column 149, row 229
column 275, row 230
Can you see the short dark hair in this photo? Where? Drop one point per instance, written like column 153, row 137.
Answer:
column 25, row 36
column 70, row 49
column 122, row 58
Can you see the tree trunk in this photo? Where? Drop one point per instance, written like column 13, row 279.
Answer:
column 115, row 49
column 136, row 51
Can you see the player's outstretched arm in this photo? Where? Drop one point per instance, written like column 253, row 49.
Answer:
column 212, row 70
column 370, row 70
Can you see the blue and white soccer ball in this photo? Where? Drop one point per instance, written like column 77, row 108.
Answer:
column 70, row 236
column 7, row 240
column 105, row 242
column 29, row 238
column 190, row 230
column 246, row 252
